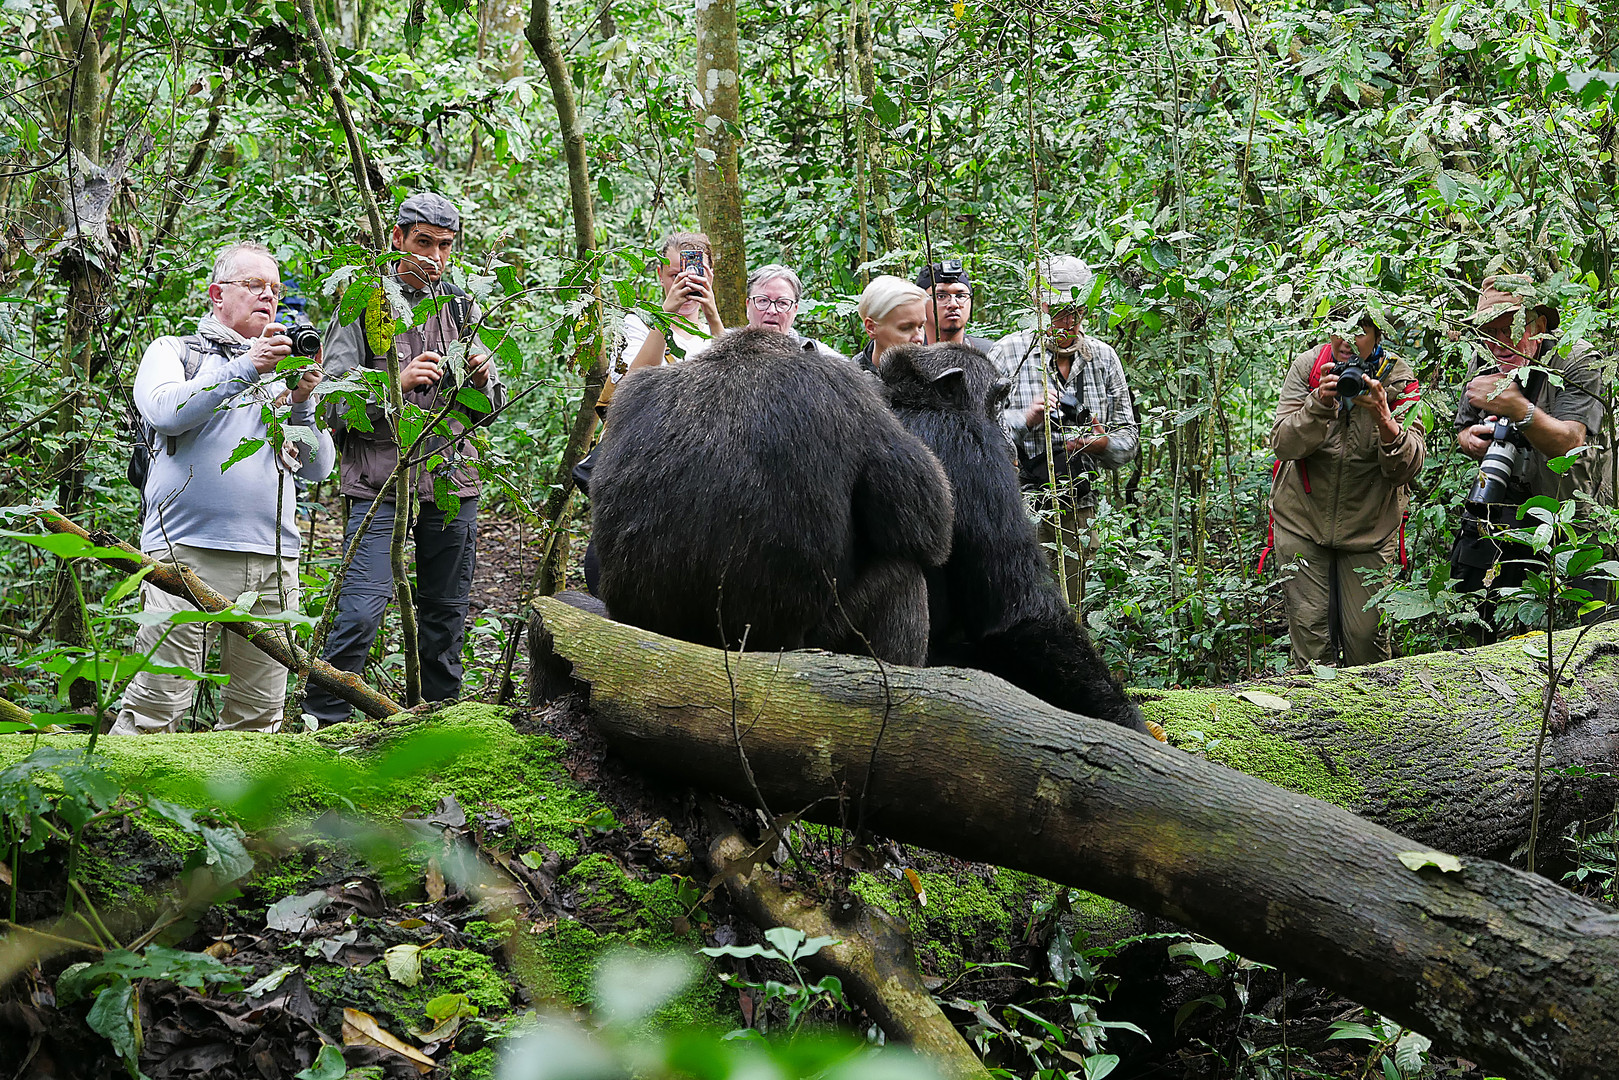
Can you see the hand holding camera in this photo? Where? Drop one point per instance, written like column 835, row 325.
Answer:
column 270, row 348
column 424, row 370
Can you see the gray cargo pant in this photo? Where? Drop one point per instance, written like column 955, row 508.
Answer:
column 445, row 556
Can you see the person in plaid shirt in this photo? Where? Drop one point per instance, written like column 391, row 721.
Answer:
column 1068, row 413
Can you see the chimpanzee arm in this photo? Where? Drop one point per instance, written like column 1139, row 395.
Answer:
column 902, row 503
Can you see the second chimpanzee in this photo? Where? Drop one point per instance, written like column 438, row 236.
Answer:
column 994, row 604
column 762, row 496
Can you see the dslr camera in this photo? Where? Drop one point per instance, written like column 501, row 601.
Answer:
column 1071, row 412
column 1353, row 375
column 305, row 337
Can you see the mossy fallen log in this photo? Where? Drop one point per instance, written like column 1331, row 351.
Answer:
column 1438, row 747
column 1499, row 966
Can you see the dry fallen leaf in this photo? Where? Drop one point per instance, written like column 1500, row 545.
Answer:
column 362, row 1029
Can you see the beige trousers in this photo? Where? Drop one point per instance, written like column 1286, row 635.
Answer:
column 254, row 697
column 1315, row 616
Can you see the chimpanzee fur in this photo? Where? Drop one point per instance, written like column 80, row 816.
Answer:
column 761, row 492
column 995, row 604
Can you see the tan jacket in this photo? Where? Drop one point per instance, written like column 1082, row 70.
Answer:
column 1336, row 483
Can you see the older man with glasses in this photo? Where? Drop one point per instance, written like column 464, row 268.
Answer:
column 203, row 399
column 950, row 304
column 773, row 295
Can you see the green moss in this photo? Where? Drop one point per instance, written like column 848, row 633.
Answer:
column 478, row 1065
column 967, row 917
column 396, row 1006
column 617, row 909
column 1234, row 736
column 385, row 769
column 487, row 934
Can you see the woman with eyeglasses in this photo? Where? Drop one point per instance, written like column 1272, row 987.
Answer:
column 893, row 312
column 773, row 295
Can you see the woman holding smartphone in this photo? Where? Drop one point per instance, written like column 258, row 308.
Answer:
column 687, row 277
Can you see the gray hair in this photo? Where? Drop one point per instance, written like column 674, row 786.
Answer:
column 225, row 261
column 773, row 272
column 884, row 294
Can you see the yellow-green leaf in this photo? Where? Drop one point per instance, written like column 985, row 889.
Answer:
column 1416, row 860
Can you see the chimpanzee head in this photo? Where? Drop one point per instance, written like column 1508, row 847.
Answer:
column 947, row 376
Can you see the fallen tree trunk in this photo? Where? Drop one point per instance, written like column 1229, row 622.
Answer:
column 1439, row 747
column 1499, row 966
column 180, row 581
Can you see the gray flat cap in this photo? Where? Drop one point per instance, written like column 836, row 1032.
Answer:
column 426, row 208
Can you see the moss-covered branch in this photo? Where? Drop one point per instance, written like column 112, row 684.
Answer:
column 1500, row 966
column 178, row 579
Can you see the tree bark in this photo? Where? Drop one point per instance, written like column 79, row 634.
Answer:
column 873, row 959
column 591, row 357
column 871, row 138
column 180, row 581
column 1499, row 966
column 719, row 187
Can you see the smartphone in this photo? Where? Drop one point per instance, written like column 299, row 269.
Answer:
column 693, row 260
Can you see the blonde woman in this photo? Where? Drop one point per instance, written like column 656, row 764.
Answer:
column 894, row 312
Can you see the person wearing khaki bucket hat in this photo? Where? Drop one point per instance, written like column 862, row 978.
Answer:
column 1516, row 324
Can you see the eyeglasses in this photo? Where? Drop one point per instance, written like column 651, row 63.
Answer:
column 762, row 304
column 257, row 285
column 960, row 299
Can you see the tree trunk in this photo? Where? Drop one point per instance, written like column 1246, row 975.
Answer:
column 403, row 489
column 719, row 189
column 1499, row 966
column 871, row 138
column 591, row 357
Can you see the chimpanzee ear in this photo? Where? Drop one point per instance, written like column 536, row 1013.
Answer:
column 951, row 384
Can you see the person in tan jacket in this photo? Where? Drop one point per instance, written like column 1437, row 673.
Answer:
column 1339, row 494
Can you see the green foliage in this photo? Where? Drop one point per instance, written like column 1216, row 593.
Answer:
column 637, row 986
column 787, row 946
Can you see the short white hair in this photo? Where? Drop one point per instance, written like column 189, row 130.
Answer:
column 774, row 272
column 884, row 294
column 225, row 261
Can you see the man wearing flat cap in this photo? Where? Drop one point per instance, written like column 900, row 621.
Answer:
column 433, row 374
column 1069, row 413
column 1517, row 327
column 949, row 305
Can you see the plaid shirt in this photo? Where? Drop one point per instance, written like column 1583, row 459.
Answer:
column 1097, row 378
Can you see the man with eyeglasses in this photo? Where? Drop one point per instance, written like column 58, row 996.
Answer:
column 773, row 295
column 1069, row 412
column 950, row 304
column 204, row 399
column 433, row 379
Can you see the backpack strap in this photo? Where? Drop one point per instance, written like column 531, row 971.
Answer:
column 1322, row 358
column 197, row 350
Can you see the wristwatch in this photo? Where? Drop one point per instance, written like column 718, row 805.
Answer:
column 1528, row 415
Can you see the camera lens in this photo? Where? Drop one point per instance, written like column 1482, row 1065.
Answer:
column 1351, row 381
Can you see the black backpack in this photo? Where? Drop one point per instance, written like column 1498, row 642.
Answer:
column 144, row 439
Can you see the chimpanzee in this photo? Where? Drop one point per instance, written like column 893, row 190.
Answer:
column 994, row 605
column 763, row 497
